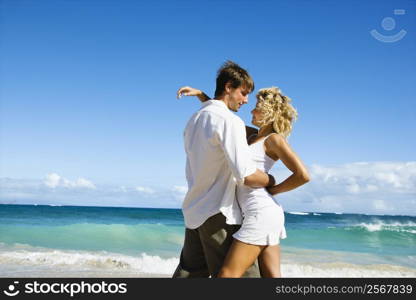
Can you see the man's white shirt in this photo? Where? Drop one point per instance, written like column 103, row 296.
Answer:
column 218, row 158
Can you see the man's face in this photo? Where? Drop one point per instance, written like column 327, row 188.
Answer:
column 237, row 97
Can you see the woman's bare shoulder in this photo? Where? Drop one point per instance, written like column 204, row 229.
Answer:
column 275, row 139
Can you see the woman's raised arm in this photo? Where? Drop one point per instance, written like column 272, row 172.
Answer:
column 190, row 91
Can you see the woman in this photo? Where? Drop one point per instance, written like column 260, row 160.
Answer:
column 263, row 218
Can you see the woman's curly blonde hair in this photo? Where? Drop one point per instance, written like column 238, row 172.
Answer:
column 276, row 109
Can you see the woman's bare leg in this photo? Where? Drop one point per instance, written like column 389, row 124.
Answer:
column 269, row 262
column 239, row 258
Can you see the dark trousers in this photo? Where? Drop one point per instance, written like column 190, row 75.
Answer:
column 205, row 248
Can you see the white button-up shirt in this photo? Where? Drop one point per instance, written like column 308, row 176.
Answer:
column 218, row 158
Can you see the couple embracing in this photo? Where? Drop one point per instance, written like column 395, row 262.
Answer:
column 233, row 224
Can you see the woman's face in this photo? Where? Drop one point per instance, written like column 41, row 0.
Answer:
column 257, row 116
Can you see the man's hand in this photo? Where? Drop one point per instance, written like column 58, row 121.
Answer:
column 188, row 91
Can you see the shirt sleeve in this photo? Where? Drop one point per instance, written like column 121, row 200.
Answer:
column 232, row 137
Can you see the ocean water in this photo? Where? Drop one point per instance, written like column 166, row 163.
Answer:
column 74, row 241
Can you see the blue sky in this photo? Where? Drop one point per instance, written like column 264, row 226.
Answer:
column 88, row 88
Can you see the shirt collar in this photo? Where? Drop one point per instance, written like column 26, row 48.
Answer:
column 215, row 102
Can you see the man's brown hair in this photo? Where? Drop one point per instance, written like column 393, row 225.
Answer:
column 236, row 75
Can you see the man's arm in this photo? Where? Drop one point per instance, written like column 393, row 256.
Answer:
column 232, row 137
column 190, row 91
column 258, row 178
column 250, row 132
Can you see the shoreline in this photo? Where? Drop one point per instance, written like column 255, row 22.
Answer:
column 39, row 262
column 289, row 270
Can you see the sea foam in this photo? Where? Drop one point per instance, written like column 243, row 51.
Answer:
column 93, row 261
column 298, row 213
column 394, row 226
column 41, row 262
column 344, row 270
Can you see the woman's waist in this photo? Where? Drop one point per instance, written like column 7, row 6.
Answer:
column 260, row 208
column 255, row 198
column 249, row 192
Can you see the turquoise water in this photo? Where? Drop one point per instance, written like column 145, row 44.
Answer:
column 120, row 230
column 159, row 232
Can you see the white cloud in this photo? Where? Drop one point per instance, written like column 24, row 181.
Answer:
column 364, row 187
column 353, row 188
column 380, row 205
column 181, row 189
column 371, row 188
column 145, row 190
column 178, row 193
column 366, row 177
column 82, row 182
column 53, row 180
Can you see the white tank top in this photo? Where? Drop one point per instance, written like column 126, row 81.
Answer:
column 253, row 199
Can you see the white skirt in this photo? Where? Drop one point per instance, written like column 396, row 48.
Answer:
column 262, row 227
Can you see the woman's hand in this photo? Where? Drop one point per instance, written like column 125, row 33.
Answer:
column 187, row 91
column 190, row 91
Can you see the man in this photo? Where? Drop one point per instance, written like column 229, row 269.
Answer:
column 218, row 158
